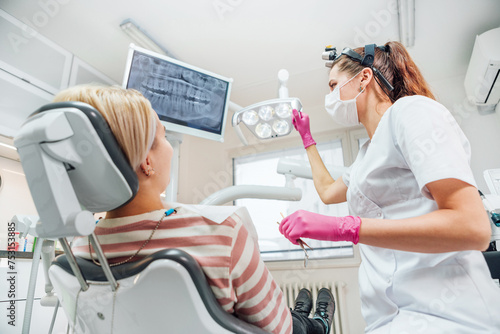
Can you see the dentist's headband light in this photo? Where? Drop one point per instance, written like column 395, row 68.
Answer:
column 330, row 55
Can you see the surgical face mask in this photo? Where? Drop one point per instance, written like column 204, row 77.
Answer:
column 343, row 112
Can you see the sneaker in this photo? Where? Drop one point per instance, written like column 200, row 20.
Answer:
column 303, row 302
column 325, row 307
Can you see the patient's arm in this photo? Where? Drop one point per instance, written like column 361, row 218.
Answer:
column 259, row 299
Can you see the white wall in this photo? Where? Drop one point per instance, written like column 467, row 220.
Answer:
column 483, row 131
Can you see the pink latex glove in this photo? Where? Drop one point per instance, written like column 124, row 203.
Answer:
column 305, row 224
column 301, row 123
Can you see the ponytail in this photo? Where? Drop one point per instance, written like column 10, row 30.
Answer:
column 404, row 75
column 396, row 66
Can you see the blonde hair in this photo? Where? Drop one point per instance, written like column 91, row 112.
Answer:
column 128, row 113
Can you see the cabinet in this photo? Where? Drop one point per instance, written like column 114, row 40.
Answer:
column 32, row 70
column 19, row 100
column 83, row 73
column 30, row 56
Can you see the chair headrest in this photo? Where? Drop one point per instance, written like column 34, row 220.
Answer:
column 89, row 191
column 71, row 160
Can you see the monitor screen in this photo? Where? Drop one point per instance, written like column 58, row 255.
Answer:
column 187, row 99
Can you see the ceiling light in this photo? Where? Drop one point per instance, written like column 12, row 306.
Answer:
column 8, row 146
column 142, row 38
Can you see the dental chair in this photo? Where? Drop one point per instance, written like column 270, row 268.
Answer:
column 493, row 262
column 74, row 167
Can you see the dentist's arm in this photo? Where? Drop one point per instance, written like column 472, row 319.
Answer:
column 459, row 223
column 329, row 190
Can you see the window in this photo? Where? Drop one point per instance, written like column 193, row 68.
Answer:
column 260, row 169
column 358, row 138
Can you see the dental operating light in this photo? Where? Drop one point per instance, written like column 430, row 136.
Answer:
column 271, row 118
column 268, row 119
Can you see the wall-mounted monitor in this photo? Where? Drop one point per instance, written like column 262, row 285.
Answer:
column 186, row 98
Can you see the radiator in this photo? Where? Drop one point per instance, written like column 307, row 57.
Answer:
column 340, row 325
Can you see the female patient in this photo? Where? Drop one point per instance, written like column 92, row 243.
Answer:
column 225, row 251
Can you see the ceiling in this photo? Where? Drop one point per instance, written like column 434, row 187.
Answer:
column 250, row 41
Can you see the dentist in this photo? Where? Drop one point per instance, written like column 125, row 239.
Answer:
column 415, row 208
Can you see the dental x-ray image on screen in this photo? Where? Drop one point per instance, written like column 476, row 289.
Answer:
column 187, row 99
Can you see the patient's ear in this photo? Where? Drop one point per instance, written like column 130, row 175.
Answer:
column 146, row 166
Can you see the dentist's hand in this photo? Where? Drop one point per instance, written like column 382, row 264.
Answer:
column 301, row 124
column 305, row 224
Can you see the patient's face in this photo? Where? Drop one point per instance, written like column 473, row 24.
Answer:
column 162, row 152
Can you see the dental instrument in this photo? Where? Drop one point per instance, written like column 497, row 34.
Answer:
column 302, row 245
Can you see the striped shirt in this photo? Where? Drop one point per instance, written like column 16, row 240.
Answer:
column 227, row 254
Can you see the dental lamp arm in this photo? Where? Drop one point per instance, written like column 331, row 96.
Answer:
column 235, row 121
column 230, row 194
column 323, row 176
column 240, row 135
column 283, row 77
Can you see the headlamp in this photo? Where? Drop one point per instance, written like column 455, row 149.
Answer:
column 330, row 55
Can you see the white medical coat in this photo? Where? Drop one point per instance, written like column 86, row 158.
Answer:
column 416, row 142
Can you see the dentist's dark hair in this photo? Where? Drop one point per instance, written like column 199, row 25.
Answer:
column 397, row 67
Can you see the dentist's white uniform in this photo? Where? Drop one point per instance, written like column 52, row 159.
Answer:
column 416, row 142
